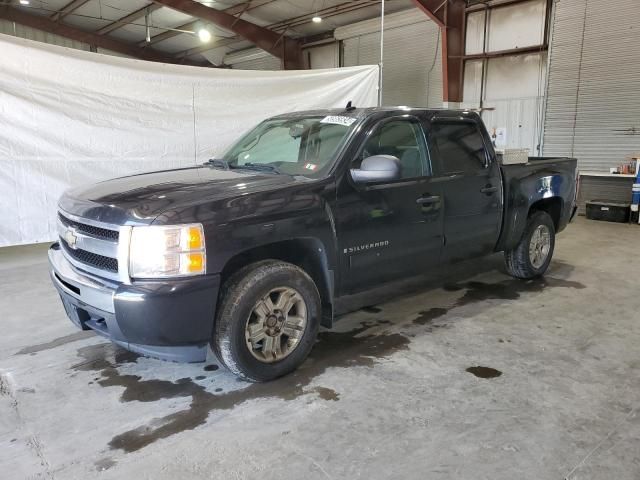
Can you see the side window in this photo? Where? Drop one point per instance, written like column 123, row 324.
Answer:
column 402, row 139
column 460, row 146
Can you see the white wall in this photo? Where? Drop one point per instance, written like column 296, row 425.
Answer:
column 323, row 56
column 510, row 89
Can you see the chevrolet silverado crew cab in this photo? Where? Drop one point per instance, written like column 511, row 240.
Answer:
column 248, row 252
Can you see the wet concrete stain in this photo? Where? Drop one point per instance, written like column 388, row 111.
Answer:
column 371, row 309
column 430, row 315
column 200, row 377
column 326, row 393
column 510, row 289
column 74, row 337
column 5, row 389
column 484, row 372
column 451, row 287
column 105, row 464
column 333, row 349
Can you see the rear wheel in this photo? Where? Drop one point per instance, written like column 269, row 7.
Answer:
column 268, row 320
column 532, row 256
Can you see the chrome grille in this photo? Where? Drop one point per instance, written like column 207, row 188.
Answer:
column 98, row 261
column 90, row 229
column 92, row 246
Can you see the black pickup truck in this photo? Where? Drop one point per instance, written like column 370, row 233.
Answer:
column 248, row 253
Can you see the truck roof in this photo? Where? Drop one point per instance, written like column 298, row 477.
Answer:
column 365, row 112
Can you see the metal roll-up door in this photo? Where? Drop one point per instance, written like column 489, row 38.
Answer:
column 412, row 70
column 593, row 107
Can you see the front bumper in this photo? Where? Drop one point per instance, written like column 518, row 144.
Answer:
column 167, row 319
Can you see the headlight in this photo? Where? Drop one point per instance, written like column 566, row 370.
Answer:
column 167, row 251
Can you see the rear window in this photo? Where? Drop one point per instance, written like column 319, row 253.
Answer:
column 460, row 146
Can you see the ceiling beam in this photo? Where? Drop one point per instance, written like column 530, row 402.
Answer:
column 494, row 4
column 282, row 25
column 152, row 7
column 450, row 16
column 237, row 9
column 286, row 49
column 47, row 25
column 68, row 9
column 508, row 53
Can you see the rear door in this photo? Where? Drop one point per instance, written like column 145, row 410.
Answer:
column 471, row 188
column 392, row 229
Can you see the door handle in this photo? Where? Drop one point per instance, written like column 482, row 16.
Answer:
column 489, row 189
column 428, row 200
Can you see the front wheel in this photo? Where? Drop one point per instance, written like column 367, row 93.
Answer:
column 532, row 255
column 268, row 320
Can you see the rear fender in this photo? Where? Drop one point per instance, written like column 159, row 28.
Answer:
column 530, row 193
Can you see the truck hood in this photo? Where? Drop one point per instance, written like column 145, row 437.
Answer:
column 139, row 199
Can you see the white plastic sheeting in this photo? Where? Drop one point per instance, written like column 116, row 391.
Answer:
column 69, row 117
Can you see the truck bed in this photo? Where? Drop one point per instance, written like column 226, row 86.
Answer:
column 525, row 184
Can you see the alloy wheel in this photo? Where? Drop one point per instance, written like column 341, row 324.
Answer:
column 276, row 324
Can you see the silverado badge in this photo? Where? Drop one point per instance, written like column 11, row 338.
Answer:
column 366, row 246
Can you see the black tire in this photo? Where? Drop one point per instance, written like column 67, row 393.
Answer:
column 239, row 296
column 518, row 261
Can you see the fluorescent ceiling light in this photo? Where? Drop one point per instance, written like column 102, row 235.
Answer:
column 204, row 35
column 316, row 19
column 24, row 2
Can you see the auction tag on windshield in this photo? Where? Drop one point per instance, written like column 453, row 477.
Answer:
column 310, row 166
column 338, row 120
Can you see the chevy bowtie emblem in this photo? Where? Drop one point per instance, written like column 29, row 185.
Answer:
column 70, row 237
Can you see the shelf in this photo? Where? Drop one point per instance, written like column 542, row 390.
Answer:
column 606, row 174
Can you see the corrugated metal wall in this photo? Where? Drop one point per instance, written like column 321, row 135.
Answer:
column 17, row 30
column 412, row 70
column 610, row 188
column 593, row 105
column 259, row 61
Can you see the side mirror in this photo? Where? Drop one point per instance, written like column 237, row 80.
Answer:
column 377, row 168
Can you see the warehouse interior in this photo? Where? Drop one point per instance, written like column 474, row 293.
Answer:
column 459, row 372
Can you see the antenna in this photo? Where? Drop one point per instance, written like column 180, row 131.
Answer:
column 349, row 106
column 381, row 53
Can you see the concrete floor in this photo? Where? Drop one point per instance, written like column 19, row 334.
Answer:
column 385, row 395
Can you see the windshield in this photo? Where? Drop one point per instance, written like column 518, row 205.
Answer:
column 301, row 146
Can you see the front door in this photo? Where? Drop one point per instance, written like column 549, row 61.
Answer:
column 390, row 230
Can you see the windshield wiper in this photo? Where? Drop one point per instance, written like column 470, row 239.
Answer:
column 264, row 167
column 218, row 163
